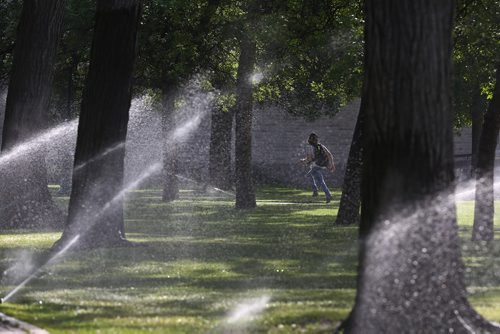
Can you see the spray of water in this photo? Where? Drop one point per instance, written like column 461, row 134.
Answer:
column 155, row 168
column 40, row 269
column 248, row 309
column 100, row 156
column 466, row 190
column 89, row 222
column 190, row 115
column 256, row 78
column 229, row 193
column 38, row 142
column 182, row 132
column 131, row 185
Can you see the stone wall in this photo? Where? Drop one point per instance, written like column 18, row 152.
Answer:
column 280, row 141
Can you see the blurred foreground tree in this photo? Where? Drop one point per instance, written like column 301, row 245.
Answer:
column 25, row 199
column 96, row 203
column 411, row 275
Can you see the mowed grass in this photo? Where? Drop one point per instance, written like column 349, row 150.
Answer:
column 204, row 267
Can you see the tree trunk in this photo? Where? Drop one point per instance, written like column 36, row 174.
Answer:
column 484, row 208
column 170, row 146
column 350, row 200
column 26, row 201
column 411, row 275
column 245, row 193
column 220, row 149
column 477, row 124
column 96, row 204
column 70, row 97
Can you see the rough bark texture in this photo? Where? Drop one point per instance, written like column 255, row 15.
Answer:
column 350, row 201
column 245, row 192
column 96, row 207
column 170, row 146
column 411, row 275
column 484, row 208
column 220, row 149
column 25, row 199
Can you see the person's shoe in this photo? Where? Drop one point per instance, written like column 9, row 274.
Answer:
column 328, row 199
column 315, row 194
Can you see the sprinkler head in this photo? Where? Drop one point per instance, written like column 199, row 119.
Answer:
column 1, row 300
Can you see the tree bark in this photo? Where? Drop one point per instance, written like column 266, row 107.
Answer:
column 219, row 168
column 26, row 201
column 96, row 204
column 484, row 208
column 477, row 117
column 245, row 193
column 350, row 201
column 170, row 145
column 411, row 275
column 70, row 93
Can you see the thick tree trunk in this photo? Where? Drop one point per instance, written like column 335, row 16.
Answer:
column 220, row 149
column 411, row 275
column 170, row 146
column 484, row 208
column 245, row 193
column 26, row 201
column 350, row 200
column 96, row 204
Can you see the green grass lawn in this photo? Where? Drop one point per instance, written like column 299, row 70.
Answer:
column 203, row 264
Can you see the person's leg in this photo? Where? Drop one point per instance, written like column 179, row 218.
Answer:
column 318, row 175
column 313, row 182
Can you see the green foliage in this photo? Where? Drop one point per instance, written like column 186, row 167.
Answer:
column 477, row 48
column 316, row 57
column 309, row 54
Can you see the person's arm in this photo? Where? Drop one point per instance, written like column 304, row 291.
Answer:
column 331, row 164
column 308, row 158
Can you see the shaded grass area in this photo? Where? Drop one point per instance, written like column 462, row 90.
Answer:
column 202, row 264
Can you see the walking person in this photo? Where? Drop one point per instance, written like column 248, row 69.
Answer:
column 321, row 159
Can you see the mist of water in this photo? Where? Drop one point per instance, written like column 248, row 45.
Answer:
column 39, row 142
column 208, row 186
column 195, row 106
column 247, row 310
column 188, row 130
column 40, row 269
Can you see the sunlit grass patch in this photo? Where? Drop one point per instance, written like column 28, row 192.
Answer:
column 203, row 267
column 28, row 239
